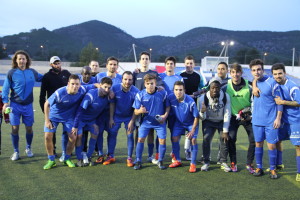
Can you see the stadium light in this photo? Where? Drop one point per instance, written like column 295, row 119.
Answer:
column 225, row 48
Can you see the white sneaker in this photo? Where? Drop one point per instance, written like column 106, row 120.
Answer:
column 225, row 167
column 154, row 161
column 29, row 153
column 205, row 167
column 62, row 158
column 85, row 158
column 188, row 155
column 15, row 156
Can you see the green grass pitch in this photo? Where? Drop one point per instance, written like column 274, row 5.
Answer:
column 26, row 179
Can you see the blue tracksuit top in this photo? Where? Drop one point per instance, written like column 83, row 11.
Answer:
column 21, row 83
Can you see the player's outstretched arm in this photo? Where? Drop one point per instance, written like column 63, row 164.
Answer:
column 280, row 101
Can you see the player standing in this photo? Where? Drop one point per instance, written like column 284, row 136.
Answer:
column 155, row 109
column 187, row 119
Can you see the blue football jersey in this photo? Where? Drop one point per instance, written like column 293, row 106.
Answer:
column 154, row 103
column 92, row 80
column 170, row 80
column 290, row 92
column 63, row 106
column 264, row 107
column 115, row 80
column 123, row 102
column 185, row 111
column 93, row 105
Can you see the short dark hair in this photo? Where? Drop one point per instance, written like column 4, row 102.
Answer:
column 145, row 53
column 74, row 76
column 93, row 61
column 179, row 83
column 170, row 58
column 215, row 82
column 237, row 67
column 256, row 62
column 189, row 57
column 14, row 63
column 128, row 73
column 86, row 68
column 277, row 66
column 112, row 58
column 223, row 63
column 149, row 77
column 106, row 80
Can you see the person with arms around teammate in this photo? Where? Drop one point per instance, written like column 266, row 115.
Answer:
column 91, row 107
column 61, row 107
column 290, row 128
column 266, row 117
column 112, row 64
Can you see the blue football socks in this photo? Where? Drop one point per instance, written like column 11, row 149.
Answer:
column 139, row 151
column 150, row 149
column 78, row 151
column 162, row 151
column 51, row 157
column 298, row 164
column 279, row 158
column 91, row 148
column 194, row 153
column 29, row 137
column 130, row 144
column 176, row 150
column 15, row 142
column 64, row 141
column 259, row 152
column 272, row 158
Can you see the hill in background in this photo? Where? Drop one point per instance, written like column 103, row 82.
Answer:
column 67, row 42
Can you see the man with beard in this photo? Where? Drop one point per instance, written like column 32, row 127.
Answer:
column 290, row 127
column 121, row 111
column 61, row 107
column 55, row 78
